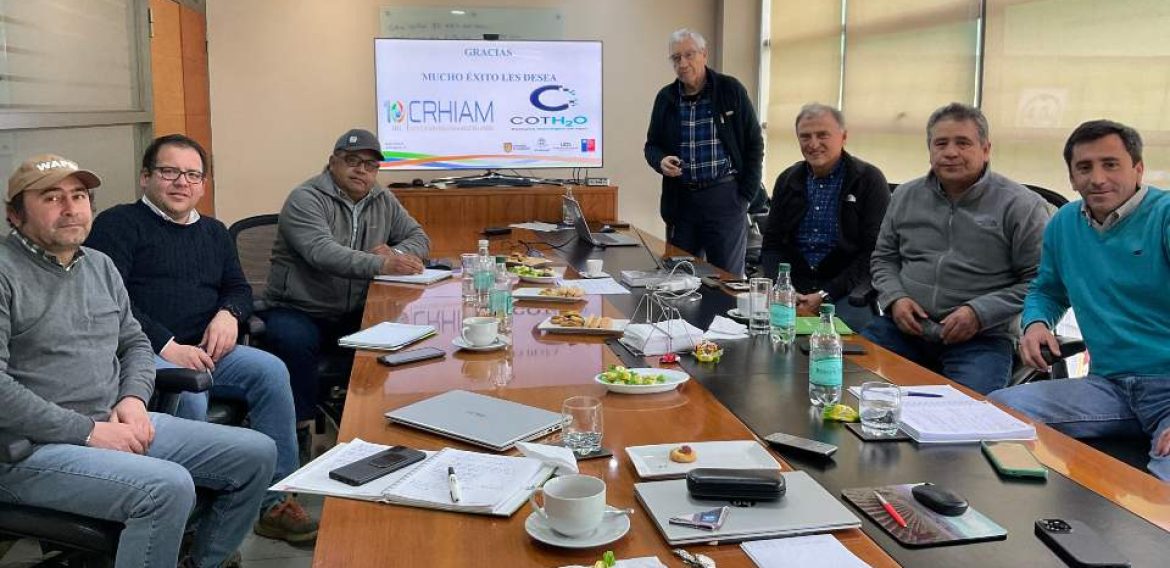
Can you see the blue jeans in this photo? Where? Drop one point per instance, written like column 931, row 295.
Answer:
column 301, row 340
column 153, row 494
column 1094, row 407
column 982, row 364
column 712, row 224
column 260, row 379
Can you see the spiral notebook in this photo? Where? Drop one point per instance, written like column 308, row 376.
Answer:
column 387, row 336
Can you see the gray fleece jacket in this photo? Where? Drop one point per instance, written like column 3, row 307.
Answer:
column 982, row 250
column 319, row 261
column 69, row 346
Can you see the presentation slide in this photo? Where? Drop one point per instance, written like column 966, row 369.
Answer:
column 476, row 104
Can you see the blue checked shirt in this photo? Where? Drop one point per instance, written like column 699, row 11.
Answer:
column 704, row 159
column 818, row 230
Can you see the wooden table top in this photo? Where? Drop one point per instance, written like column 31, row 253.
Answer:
column 544, row 370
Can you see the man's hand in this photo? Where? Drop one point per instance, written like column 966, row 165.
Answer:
column 809, row 302
column 115, row 436
column 131, row 411
column 671, row 166
column 187, row 356
column 1036, row 335
column 906, row 313
column 1162, row 444
column 398, row 263
column 220, row 336
column 960, row 325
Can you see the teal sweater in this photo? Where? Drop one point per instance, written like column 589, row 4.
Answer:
column 1117, row 282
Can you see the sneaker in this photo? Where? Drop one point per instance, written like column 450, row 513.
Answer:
column 233, row 561
column 287, row 521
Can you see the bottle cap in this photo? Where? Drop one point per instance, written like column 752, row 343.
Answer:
column 785, row 267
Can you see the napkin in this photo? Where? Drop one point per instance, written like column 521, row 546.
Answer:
column 643, row 562
column 662, row 337
column 725, row 328
column 559, row 456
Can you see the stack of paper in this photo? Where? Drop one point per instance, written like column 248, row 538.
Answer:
column 428, row 276
column 955, row 417
column 387, row 336
column 799, row 551
column 662, row 337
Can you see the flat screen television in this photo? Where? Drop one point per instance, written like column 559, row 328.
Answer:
column 488, row 104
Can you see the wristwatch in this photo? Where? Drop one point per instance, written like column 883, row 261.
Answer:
column 234, row 311
column 824, row 296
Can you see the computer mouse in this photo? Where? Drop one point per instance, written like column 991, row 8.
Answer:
column 940, row 500
column 608, row 229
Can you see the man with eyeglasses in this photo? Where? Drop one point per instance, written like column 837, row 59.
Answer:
column 706, row 142
column 189, row 293
column 337, row 231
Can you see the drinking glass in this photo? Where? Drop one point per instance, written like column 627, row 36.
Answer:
column 758, row 290
column 880, row 405
column 470, row 263
column 581, row 417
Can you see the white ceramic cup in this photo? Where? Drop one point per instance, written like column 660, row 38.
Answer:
column 593, row 266
column 480, row 331
column 573, row 504
column 743, row 303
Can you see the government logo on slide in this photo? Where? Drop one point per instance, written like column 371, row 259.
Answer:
column 395, row 111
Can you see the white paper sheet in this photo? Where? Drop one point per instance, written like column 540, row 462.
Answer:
column 801, row 551
column 596, row 285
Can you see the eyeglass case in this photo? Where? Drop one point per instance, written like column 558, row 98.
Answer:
column 735, row 484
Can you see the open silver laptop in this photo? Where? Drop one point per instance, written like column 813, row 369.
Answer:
column 596, row 239
column 477, row 419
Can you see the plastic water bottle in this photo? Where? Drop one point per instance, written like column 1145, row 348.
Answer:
column 501, row 297
column 782, row 307
column 825, row 364
column 484, row 275
column 568, row 212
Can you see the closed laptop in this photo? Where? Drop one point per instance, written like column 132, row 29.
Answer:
column 477, row 419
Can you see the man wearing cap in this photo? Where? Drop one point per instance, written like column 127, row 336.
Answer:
column 76, row 371
column 188, row 292
column 337, row 230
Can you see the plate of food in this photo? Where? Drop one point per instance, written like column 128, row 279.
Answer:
column 573, row 321
column 707, row 352
column 519, row 259
column 673, row 461
column 557, row 294
column 534, row 275
column 642, row 380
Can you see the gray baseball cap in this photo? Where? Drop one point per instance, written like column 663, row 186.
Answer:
column 357, row 140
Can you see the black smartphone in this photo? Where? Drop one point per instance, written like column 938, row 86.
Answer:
column 383, row 463
column 412, row 355
column 1078, row 545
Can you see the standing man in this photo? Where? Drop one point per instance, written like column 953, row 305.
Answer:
column 76, row 372
column 1108, row 258
column 189, row 294
column 956, row 252
column 337, row 231
column 825, row 217
column 705, row 141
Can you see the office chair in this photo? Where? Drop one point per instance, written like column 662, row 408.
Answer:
column 75, row 540
column 254, row 237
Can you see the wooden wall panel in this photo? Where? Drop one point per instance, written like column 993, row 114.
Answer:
column 166, row 68
column 196, row 91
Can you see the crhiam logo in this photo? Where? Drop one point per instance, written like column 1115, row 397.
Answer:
column 395, row 111
column 553, row 98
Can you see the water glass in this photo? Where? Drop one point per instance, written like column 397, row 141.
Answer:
column 758, row 290
column 880, row 407
column 581, row 419
column 470, row 263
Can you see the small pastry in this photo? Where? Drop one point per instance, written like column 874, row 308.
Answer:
column 683, row 454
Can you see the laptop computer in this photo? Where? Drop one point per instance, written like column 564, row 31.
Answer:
column 477, row 419
column 596, row 239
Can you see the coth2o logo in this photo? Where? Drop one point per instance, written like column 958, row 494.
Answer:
column 553, row 98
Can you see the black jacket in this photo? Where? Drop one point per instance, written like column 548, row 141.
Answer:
column 737, row 127
column 864, row 197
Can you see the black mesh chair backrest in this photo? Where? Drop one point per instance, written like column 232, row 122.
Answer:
column 1054, row 199
column 254, row 237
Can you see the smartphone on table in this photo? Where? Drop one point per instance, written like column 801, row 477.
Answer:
column 380, row 464
column 1013, row 459
column 411, row 355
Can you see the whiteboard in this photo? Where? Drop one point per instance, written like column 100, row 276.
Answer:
column 416, row 22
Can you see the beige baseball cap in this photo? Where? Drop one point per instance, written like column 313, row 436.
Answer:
column 47, row 170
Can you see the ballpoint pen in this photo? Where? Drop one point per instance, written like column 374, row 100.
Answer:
column 924, row 394
column 453, row 485
column 890, row 509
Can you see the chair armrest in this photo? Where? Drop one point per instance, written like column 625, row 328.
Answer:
column 254, row 326
column 181, row 380
column 862, row 295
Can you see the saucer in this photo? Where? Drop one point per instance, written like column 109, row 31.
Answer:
column 592, row 275
column 735, row 314
column 497, row 344
column 612, row 527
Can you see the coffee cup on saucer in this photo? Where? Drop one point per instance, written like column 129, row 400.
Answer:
column 574, row 505
column 480, row 331
column 743, row 304
column 593, row 267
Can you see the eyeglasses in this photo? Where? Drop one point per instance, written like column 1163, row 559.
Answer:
column 353, row 161
column 689, row 55
column 171, row 174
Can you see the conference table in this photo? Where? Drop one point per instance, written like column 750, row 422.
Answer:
column 754, row 390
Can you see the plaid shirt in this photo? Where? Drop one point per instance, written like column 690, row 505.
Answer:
column 704, row 159
column 818, row 229
column 44, row 254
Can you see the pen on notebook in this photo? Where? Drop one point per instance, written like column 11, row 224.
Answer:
column 924, row 394
column 890, row 509
column 453, row 484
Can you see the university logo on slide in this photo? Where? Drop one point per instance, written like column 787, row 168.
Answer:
column 507, row 147
column 588, row 144
column 395, row 111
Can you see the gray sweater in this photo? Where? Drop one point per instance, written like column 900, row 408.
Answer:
column 69, row 347
column 319, row 261
column 981, row 251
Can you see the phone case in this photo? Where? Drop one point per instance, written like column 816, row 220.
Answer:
column 1078, row 544
column 989, row 448
column 383, row 463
